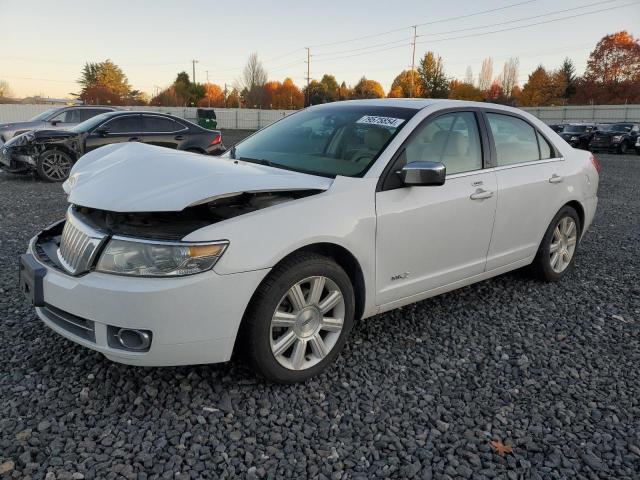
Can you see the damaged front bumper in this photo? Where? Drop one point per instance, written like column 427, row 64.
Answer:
column 188, row 320
column 15, row 161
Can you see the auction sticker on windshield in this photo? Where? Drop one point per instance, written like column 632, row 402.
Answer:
column 382, row 121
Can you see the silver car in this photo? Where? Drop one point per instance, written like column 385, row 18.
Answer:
column 55, row 118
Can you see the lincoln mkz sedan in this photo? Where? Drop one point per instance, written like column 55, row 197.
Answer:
column 333, row 214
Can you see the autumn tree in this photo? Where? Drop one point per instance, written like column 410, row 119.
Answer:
column 344, row 92
column 406, row 85
column 486, row 74
column 543, row 88
column 283, row 95
column 103, row 82
column 468, row 76
column 464, row 91
column 615, row 59
column 331, row 88
column 213, row 96
column 367, row 89
column 568, row 72
column 5, row 91
column 433, row 81
column 495, row 92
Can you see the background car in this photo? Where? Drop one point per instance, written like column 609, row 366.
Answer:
column 615, row 137
column 52, row 153
column 578, row 135
column 56, row 118
column 557, row 127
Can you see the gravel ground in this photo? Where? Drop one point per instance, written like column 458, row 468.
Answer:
column 551, row 370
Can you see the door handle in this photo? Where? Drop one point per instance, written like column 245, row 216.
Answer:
column 556, row 178
column 481, row 194
column 178, row 137
column 134, row 139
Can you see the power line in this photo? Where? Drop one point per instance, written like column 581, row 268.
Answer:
column 531, row 24
column 404, row 42
column 448, row 19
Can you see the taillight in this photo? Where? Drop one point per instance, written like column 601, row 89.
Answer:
column 217, row 139
column 596, row 164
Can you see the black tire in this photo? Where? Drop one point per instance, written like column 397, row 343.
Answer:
column 54, row 165
column 623, row 148
column 541, row 264
column 256, row 333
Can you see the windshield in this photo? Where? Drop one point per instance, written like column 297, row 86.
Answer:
column 88, row 125
column 44, row 115
column 328, row 140
column 575, row 129
column 615, row 127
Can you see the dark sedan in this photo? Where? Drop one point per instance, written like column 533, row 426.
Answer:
column 578, row 135
column 52, row 153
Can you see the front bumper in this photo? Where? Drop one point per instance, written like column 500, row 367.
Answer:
column 193, row 319
column 15, row 161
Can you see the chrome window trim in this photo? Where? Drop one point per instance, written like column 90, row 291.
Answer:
column 526, row 164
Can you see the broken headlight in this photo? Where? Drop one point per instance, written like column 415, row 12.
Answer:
column 158, row 259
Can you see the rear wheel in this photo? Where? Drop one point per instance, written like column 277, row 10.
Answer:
column 557, row 250
column 54, row 165
column 299, row 319
column 623, row 148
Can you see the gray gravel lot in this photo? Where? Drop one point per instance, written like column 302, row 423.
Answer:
column 551, row 369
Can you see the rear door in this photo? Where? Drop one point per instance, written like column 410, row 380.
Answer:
column 163, row 131
column 531, row 177
column 126, row 128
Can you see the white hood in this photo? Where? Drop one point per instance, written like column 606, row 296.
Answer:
column 133, row 177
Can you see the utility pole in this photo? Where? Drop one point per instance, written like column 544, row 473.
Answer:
column 193, row 63
column 413, row 61
column 308, row 99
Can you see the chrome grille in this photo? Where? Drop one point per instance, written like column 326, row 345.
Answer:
column 79, row 244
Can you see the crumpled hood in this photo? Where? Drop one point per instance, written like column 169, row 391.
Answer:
column 35, row 136
column 133, row 177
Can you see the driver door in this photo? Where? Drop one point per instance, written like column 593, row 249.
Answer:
column 127, row 128
column 432, row 236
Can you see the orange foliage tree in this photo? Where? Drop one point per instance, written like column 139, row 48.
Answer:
column 213, row 96
column 282, row 95
column 464, row 91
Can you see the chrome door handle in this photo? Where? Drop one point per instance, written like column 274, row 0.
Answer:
column 556, row 178
column 481, row 194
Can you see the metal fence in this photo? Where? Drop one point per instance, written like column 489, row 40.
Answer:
column 230, row 118
column 252, row 119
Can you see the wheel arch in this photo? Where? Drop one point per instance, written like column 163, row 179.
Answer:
column 342, row 257
column 577, row 206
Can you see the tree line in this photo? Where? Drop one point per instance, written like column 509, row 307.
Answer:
column 612, row 76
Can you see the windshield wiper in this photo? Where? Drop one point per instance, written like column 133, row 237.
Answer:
column 259, row 161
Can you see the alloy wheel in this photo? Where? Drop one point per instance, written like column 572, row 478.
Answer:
column 563, row 244
column 56, row 165
column 307, row 323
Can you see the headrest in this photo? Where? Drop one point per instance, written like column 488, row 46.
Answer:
column 375, row 138
column 456, row 143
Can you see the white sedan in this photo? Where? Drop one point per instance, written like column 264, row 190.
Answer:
column 334, row 214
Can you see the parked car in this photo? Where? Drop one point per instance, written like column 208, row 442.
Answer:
column 578, row 135
column 557, row 127
column 615, row 137
column 52, row 153
column 333, row 214
column 53, row 119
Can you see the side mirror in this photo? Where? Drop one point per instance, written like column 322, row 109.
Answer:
column 416, row 174
column 55, row 122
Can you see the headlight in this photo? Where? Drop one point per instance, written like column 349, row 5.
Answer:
column 617, row 138
column 573, row 139
column 158, row 259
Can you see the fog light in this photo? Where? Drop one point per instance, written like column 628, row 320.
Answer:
column 130, row 339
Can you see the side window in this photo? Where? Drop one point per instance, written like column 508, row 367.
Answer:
column 153, row 123
column 516, row 141
column 68, row 116
column 545, row 149
column 452, row 139
column 87, row 113
column 130, row 124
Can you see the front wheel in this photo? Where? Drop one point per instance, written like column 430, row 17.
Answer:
column 54, row 165
column 623, row 148
column 299, row 319
column 557, row 250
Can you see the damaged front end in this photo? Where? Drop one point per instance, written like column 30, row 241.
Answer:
column 22, row 151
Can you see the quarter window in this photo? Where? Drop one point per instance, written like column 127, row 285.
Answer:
column 452, row 139
column 516, row 141
column 545, row 149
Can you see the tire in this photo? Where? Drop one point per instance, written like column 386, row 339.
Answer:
column 54, row 165
column 297, row 329
column 545, row 265
column 623, row 148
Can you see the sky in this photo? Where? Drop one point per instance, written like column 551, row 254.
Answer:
column 45, row 43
